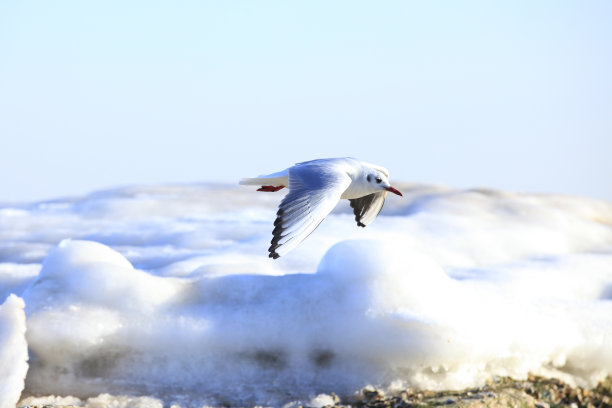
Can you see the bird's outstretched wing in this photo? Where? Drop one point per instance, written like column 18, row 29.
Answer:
column 314, row 192
column 366, row 208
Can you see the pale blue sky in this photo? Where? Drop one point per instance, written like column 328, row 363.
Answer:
column 512, row 95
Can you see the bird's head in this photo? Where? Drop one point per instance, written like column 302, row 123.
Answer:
column 379, row 180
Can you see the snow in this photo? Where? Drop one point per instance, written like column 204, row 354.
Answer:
column 13, row 351
column 164, row 295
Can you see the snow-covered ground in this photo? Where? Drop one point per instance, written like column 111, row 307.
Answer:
column 167, row 292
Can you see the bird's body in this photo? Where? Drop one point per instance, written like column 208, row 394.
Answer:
column 315, row 187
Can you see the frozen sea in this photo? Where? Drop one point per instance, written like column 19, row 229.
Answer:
column 160, row 295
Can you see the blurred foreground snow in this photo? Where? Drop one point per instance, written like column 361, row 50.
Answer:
column 167, row 292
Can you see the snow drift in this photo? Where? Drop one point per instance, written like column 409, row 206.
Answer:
column 167, row 292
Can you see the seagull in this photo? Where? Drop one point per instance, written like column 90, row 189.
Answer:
column 315, row 187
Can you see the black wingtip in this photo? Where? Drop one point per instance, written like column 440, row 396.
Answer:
column 273, row 254
column 276, row 234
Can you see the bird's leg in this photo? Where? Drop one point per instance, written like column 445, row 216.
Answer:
column 270, row 189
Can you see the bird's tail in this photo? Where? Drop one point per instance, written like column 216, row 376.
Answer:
column 275, row 179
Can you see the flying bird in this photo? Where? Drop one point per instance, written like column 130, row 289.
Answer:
column 315, row 187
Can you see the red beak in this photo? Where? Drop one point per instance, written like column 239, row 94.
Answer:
column 394, row 191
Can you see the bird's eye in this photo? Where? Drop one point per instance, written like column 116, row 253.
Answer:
column 368, row 177
column 378, row 180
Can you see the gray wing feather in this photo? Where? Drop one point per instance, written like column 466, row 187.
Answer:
column 312, row 195
column 366, row 208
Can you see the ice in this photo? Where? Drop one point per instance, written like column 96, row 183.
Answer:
column 13, row 351
column 322, row 400
column 164, row 295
